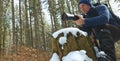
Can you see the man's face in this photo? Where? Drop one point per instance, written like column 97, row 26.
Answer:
column 84, row 8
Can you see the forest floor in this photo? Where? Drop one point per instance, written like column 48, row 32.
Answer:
column 27, row 54
column 118, row 57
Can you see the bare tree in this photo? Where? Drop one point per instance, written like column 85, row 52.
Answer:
column 52, row 10
column 13, row 22
column 42, row 25
column 21, row 24
column 1, row 15
column 27, row 31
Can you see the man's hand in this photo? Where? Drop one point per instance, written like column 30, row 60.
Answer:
column 80, row 21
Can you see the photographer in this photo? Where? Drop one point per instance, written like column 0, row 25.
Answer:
column 95, row 18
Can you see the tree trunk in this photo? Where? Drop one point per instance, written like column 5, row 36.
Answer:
column 73, row 44
column 53, row 14
column 21, row 24
column 31, row 28
column 27, row 31
column 61, row 4
column 36, row 24
column 1, row 15
column 52, row 10
column 42, row 26
column 13, row 23
column 4, row 36
column 51, row 17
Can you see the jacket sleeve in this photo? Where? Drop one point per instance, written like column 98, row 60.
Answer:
column 103, row 17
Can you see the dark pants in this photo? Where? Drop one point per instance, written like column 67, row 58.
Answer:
column 115, row 31
column 107, row 43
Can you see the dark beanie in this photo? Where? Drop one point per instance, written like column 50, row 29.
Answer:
column 85, row 2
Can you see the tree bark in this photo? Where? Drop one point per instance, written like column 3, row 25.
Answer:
column 36, row 24
column 21, row 24
column 73, row 44
column 42, row 26
column 13, row 23
column 1, row 15
column 51, row 17
column 27, row 30
column 61, row 4
column 31, row 28
column 52, row 10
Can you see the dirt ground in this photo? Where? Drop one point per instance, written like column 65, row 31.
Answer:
column 118, row 59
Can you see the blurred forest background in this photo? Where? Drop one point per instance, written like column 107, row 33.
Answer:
column 26, row 27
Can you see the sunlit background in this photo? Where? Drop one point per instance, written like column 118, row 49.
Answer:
column 114, row 5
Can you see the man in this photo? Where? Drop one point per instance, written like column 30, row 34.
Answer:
column 96, row 18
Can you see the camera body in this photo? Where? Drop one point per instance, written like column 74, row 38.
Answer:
column 66, row 16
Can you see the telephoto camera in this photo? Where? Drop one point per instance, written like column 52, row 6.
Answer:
column 67, row 16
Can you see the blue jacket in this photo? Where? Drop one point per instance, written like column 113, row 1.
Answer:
column 102, row 18
column 97, row 16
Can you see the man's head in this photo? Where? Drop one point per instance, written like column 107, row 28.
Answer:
column 84, row 5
